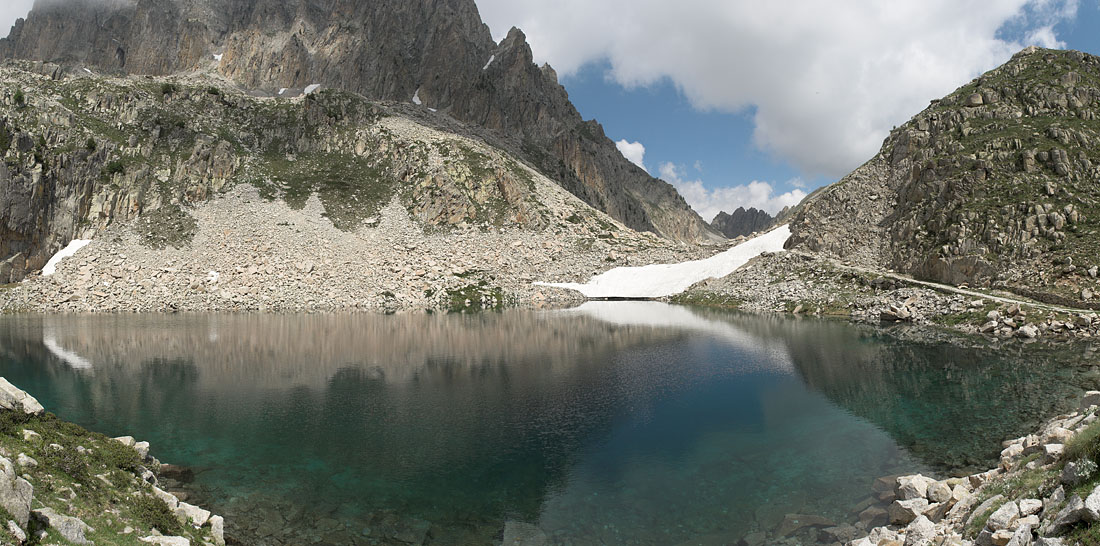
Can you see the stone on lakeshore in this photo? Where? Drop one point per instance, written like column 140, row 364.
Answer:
column 920, row 532
column 1077, row 472
column 15, row 493
column 72, row 529
column 840, row 533
column 26, row 461
column 913, row 487
column 166, row 497
column 1003, row 517
column 1029, row 507
column 12, row 398
column 903, row 512
column 217, row 530
column 1049, row 541
column 1057, row 435
column 127, row 441
column 1001, row 537
column 1028, row 331
column 17, row 532
column 518, row 533
column 983, row 508
column 166, row 541
column 874, row 516
column 1053, row 452
column 1092, row 398
column 939, row 492
column 191, row 513
column 793, row 522
column 1073, row 512
column 142, row 449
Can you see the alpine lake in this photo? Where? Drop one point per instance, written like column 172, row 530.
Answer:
column 612, row 423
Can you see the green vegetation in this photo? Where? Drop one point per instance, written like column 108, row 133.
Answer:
column 1085, row 444
column 89, row 476
column 475, row 297
column 707, row 298
column 19, row 98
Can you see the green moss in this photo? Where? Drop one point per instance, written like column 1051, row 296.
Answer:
column 707, row 298
column 475, row 297
column 1085, row 444
column 153, row 513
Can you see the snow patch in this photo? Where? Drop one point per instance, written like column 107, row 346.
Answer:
column 312, row 88
column 491, row 59
column 88, row 71
column 433, row 109
column 218, row 57
column 416, row 97
column 212, row 277
column 660, row 280
column 51, row 266
column 282, row 90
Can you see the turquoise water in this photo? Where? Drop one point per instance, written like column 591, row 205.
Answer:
column 619, row 423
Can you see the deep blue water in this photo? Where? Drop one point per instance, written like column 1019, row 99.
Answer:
column 620, row 423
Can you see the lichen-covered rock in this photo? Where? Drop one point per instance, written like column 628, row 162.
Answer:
column 16, row 493
column 14, row 399
column 71, row 528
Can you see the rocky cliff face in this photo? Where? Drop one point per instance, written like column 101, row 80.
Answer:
column 437, row 51
column 742, row 222
column 995, row 184
column 82, row 152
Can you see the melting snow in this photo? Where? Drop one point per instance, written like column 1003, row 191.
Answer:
column 51, row 266
column 312, row 88
column 659, row 280
column 218, row 57
column 88, row 71
column 491, row 59
column 416, row 97
column 282, row 90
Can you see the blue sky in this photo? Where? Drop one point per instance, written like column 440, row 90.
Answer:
column 741, row 102
column 759, row 113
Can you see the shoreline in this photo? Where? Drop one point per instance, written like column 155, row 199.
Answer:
column 1034, row 496
column 61, row 482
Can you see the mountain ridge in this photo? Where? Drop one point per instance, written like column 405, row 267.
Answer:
column 438, row 51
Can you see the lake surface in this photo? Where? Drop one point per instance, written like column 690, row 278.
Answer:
column 614, row 423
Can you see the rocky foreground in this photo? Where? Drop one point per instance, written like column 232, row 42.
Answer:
column 60, row 484
column 1046, row 492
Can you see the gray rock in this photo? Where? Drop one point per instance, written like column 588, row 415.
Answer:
column 1078, row 472
column 939, row 492
column 12, row 398
column 1028, row 331
column 518, row 533
column 25, row 461
column 217, row 530
column 920, row 532
column 1072, row 513
column 913, row 487
column 984, row 508
column 17, row 532
column 15, row 493
column 72, row 529
column 1092, row 398
column 166, row 541
column 193, row 514
column 1029, row 507
column 903, row 512
column 1003, row 517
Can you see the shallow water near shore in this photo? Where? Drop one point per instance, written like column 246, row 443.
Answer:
column 618, row 422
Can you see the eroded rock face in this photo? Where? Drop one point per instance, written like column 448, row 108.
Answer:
column 742, row 222
column 992, row 185
column 436, row 50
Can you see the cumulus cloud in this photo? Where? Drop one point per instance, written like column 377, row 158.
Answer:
column 633, row 151
column 709, row 202
column 824, row 81
column 10, row 10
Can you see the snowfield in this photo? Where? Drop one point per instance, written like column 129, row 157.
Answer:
column 660, row 280
column 51, row 266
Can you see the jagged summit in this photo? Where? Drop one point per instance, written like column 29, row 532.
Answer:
column 995, row 184
column 742, row 222
column 436, row 50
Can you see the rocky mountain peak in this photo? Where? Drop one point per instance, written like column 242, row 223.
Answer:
column 994, row 185
column 742, row 222
column 392, row 50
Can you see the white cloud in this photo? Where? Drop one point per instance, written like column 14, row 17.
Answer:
column 633, row 151
column 709, row 202
column 825, row 81
column 10, row 10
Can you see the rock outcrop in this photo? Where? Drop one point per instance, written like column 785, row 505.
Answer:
column 742, row 222
column 435, row 53
column 993, row 185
